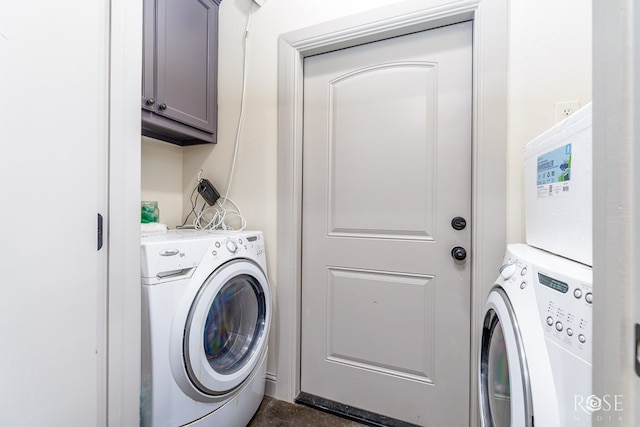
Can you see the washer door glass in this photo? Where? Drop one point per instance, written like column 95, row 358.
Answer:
column 226, row 329
column 234, row 324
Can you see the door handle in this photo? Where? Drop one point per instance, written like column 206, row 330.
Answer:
column 459, row 253
column 638, row 349
column 100, row 228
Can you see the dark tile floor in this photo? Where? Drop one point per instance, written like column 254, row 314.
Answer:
column 277, row 413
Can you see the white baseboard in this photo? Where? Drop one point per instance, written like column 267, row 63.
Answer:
column 270, row 385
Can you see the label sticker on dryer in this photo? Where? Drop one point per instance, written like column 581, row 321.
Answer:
column 554, row 172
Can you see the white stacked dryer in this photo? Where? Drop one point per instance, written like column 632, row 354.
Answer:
column 206, row 311
column 535, row 353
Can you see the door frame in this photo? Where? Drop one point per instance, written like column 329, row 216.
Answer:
column 489, row 135
column 616, row 206
column 122, row 226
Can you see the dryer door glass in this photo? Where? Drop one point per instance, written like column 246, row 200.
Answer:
column 234, row 324
column 505, row 390
column 499, row 389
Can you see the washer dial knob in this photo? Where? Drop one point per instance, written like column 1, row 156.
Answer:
column 232, row 246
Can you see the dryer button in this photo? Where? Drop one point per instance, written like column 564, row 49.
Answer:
column 582, row 338
column 549, row 320
column 577, row 293
column 589, row 297
column 559, row 326
column 570, row 332
column 523, row 271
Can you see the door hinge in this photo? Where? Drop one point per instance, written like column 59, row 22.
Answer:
column 99, row 231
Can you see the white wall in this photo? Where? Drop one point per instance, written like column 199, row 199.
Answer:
column 550, row 60
column 162, row 178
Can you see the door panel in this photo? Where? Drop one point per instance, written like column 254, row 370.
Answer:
column 360, row 299
column 357, row 118
column 386, row 166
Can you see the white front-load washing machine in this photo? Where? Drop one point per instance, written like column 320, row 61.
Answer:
column 206, row 312
column 535, row 347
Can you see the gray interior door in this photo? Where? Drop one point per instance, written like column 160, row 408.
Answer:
column 386, row 167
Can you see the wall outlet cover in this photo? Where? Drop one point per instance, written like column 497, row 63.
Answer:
column 565, row 109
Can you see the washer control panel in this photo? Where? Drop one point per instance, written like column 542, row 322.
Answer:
column 176, row 254
column 564, row 295
column 237, row 245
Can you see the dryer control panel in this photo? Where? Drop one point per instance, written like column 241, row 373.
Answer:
column 565, row 310
column 564, row 296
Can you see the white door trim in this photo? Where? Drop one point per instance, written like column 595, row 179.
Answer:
column 122, row 222
column 489, row 152
column 616, row 206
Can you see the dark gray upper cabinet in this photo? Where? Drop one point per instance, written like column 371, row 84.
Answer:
column 179, row 70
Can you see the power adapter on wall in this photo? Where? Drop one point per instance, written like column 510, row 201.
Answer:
column 208, row 191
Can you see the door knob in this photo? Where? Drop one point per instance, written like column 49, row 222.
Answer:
column 459, row 253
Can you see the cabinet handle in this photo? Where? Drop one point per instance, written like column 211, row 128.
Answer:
column 151, row 101
column 162, row 107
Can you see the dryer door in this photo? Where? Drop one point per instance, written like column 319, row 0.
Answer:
column 227, row 326
column 505, row 391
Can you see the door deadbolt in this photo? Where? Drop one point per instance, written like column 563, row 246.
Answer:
column 459, row 223
column 459, row 253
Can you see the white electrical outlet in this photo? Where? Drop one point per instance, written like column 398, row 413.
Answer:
column 259, row 2
column 565, row 109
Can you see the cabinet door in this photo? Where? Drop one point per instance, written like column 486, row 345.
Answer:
column 186, row 72
column 148, row 57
